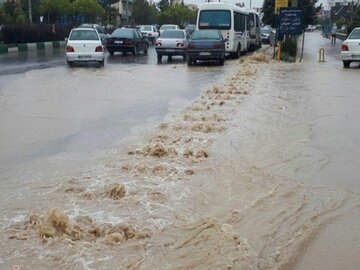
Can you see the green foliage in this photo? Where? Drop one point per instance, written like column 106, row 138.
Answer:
column 289, row 48
column 268, row 9
column 163, row 5
column 144, row 13
column 12, row 12
column 355, row 22
column 178, row 14
column 88, row 8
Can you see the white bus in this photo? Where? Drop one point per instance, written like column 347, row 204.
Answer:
column 253, row 26
column 231, row 20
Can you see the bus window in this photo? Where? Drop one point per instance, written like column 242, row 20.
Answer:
column 239, row 22
column 250, row 22
column 215, row 19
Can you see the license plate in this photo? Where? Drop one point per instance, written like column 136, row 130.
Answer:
column 84, row 56
column 169, row 50
column 118, row 42
column 204, row 53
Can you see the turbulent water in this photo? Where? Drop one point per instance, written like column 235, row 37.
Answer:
column 213, row 186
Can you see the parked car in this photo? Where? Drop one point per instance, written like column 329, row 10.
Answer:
column 310, row 28
column 168, row 27
column 127, row 40
column 150, row 32
column 350, row 49
column 208, row 45
column 265, row 35
column 102, row 33
column 190, row 28
column 171, row 43
column 84, row 45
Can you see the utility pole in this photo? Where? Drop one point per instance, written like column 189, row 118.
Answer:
column 30, row 11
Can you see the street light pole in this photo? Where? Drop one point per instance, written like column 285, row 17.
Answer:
column 30, row 11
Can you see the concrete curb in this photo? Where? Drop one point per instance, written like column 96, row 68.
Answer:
column 22, row 47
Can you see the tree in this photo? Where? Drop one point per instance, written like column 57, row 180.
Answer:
column 55, row 9
column 143, row 12
column 12, row 12
column 90, row 9
column 163, row 5
column 355, row 22
column 178, row 14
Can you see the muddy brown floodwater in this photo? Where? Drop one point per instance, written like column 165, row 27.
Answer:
column 198, row 191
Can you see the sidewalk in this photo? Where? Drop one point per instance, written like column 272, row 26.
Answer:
column 5, row 48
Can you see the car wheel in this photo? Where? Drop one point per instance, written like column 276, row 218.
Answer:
column 221, row 61
column 146, row 48
column 70, row 64
column 346, row 64
column 170, row 58
column 111, row 52
column 135, row 50
column 184, row 57
column 189, row 61
column 238, row 52
column 159, row 57
column 101, row 63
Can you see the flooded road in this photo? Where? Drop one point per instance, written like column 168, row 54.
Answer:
column 248, row 167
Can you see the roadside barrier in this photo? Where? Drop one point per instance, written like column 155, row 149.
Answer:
column 321, row 55
column 22, row 47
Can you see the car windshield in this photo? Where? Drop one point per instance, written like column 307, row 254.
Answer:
column 123, row 33
column 265, row 31
column 167, row 27
column 206, row 34
column 355, row 34
column 172, row 34
column 83, row 35
column 190, row 27
column 145, row 28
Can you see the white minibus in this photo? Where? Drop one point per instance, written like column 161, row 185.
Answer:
column 253, row 26
column 231, row 20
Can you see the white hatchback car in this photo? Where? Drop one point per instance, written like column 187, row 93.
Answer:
column 84, row 45
column 350, row 49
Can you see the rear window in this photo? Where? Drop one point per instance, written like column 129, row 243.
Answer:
column 123, row 33
column 206, row 34
column 265, row 31
column 355, row 34
column 84, row 35
column 145, row 28
column 167, row 27
column 172, row 34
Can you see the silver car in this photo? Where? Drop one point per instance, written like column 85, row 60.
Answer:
column 84, row 45
column 171, row 43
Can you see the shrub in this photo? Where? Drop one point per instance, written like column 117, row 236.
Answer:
column 13, row 34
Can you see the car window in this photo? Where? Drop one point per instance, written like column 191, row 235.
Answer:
column 167, row 27
column 172, row 34
column 99, row 29
column 206, row 34
column 138, row 34
column 265, row 31
column 355, row 34
column 123, row 33
column 145, row 28
column 83, row 35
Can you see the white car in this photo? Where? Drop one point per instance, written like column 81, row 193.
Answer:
column 168, row 27
column 84, row 45
column 350, row 49
column 150, row 32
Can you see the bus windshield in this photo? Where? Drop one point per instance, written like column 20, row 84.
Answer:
column 215, row 19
